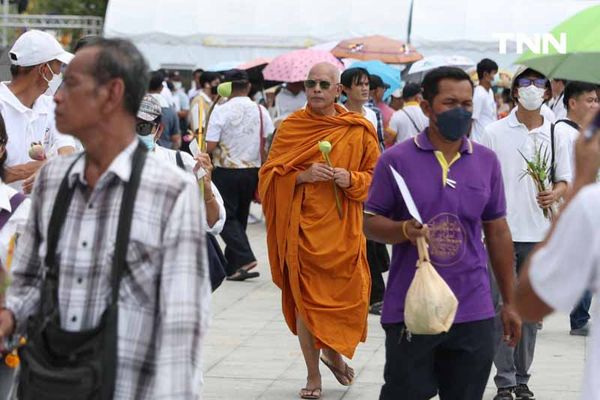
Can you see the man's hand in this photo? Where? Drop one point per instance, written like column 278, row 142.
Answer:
column 414, row 230
column 28, row 184
column 318, row 172
column 546, row 198
column 203, row 161
column 341, row 177
column 511, row 322
column 7, row 326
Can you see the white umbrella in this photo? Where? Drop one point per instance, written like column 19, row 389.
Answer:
column 429, row 63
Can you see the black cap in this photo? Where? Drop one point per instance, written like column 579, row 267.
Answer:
column 410, row 90
column 234, row 75
column 376, row 82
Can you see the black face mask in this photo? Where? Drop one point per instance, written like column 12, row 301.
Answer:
column 454, row 124
column 213, row 90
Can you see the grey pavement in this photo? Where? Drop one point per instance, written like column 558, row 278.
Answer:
column 250, row 353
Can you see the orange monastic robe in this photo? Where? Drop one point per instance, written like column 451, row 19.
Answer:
column 317, row 259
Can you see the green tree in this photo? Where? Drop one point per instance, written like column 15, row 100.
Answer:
column 68, row 7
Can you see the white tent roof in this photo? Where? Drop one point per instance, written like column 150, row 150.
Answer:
column 189, row 34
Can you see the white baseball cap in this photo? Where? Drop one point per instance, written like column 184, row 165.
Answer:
column 36, row 47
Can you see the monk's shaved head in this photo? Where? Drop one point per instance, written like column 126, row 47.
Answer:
column 325, row 68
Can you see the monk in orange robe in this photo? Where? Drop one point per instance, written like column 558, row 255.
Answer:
column 318, row 258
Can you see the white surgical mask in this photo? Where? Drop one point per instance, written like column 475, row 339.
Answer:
column 54, row 83
column 531, row 97
column 148, row 141
column 177, row 85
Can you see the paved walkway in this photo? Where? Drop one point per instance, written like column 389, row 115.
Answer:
column 250, row 354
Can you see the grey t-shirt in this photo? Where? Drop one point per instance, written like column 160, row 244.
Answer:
column 171, row 127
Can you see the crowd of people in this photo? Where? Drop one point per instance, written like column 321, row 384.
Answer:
column 116, row 181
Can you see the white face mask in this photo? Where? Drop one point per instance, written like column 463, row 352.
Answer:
column 54, row 83
column 177, row 85
column 531, row 97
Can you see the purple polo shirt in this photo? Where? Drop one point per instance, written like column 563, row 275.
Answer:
column 454, row 217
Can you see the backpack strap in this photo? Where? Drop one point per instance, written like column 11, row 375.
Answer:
column 179, row 160
column 411, row 120
column 552, row 165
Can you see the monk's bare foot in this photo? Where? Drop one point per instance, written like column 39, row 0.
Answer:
column 312, row 389
column 342, row 371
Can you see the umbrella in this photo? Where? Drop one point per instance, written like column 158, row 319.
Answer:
column 295, row 65
column 377, row 47
column 432, row 62
column 387, row 73
column 581, row 60
column 256, row 63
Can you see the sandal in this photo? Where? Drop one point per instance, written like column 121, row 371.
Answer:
column 310, row 393
column 338, row 373
column 242, row 274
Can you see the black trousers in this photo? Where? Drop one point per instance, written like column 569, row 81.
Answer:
column 455, row 364
column 237, row 187
column 379, row 262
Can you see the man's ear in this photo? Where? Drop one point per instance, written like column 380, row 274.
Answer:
column 114, row 95
column 426, row 108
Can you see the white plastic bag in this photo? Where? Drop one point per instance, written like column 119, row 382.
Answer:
column 430, row 305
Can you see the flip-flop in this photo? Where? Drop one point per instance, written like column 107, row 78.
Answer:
column 242, row 274
column 310, row 393
column 338, row 373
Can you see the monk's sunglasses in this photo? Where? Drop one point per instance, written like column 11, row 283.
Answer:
column 145, row 128
column 311, row 84
column 539, row 83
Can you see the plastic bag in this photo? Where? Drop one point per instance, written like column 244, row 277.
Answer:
column 430, row 305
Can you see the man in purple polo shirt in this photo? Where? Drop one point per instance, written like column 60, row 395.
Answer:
column 458, row 189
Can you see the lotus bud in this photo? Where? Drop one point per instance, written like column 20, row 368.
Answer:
column 325, row 147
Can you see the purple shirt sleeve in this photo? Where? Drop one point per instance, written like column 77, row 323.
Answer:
column 496, row 205
column 384, row 195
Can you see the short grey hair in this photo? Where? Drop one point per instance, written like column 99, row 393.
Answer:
column 119, row 58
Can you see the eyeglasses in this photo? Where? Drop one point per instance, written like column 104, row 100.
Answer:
column 145, row 128
column 539, row 83
column 311, row 84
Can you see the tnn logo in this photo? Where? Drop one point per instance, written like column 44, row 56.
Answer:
column 537, row 43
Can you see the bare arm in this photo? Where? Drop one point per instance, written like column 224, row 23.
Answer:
column 385, row 230
column 22, row 171
column 211, row 146
column 66, row 150
column 176, row 141
column 500, row 247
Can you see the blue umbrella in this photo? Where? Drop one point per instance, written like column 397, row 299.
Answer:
column 389, row 74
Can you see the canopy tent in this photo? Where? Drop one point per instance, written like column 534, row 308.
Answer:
column 188, row 34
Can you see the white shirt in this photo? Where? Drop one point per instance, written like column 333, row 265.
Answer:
column 507, row 137
column 565, row 130
column 168, row 95
column 170, row 156
column 557, row 106
column 181, row 100
column 547, row 113
column 16, row 222
column 370, row 115
column 568, row 265
column 402, row 124
column 25, row 126
column 235, row 125
column 287, row 102
column 484, row 111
